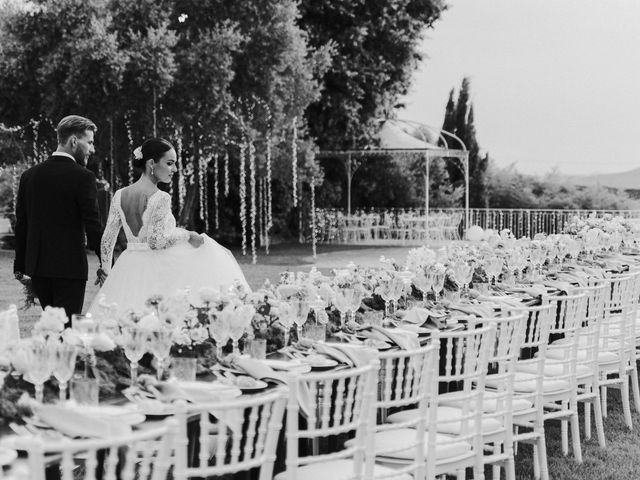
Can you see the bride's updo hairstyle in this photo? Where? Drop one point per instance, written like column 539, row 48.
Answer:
column 153, row 148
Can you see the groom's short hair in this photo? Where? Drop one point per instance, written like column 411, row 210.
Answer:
column 73, row 125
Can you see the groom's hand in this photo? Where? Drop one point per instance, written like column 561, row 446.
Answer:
column 101, row 277
column 195, row 239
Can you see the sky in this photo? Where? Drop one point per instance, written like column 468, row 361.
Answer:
column 554, row 82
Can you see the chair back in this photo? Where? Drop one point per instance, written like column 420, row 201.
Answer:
column 245, row 435
column 140, row 455
column 334, row 403
column 405, row 378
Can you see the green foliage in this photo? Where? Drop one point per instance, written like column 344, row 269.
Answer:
column 459, row 120
column 376, row 47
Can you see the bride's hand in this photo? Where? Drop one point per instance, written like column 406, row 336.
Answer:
column 195, row 239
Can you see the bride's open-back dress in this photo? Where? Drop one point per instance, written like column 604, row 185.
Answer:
column 159, row 260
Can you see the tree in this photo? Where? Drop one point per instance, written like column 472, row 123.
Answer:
column 376, row 45
column 459, row 120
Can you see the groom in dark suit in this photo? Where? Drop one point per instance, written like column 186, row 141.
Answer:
column 56, row 207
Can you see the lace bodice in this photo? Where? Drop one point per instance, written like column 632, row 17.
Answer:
column 158, row 229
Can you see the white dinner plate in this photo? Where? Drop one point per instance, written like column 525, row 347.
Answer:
column 322, row 364
column 256, row 387
column 7, row 455
column 127, row 415
column 291, row 366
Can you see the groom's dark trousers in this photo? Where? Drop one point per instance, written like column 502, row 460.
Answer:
column 56, row 210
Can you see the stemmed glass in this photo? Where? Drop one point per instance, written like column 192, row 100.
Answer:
column 423, row 282
column 354, row 299
column 406, row 276
column 135, row 346
column 39, row 368
column 219, row 330
column 86, row 328
column 286, row 319
column 300, row 310
column 493, row 267
column 342, row 303
column 438, row 280
column 64, row 363
column 160, row 342
column 240, row 323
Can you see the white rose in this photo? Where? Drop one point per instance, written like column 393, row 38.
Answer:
column 51, row 321
column 102, row 343
column 198, row 335
column 149, row 322
column 209, row 295
column 70, row 337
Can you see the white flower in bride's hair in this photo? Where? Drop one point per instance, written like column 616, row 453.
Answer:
column 137, row 153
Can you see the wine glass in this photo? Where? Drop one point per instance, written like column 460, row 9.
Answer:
column 160, row 342
column 286, row 319
column 354, row 300
column 135, row 346
column 438, row 280
column 219, row 330
column 39, row 368
column 300, row 314
column 342, row 304
column 64, row 364
column 240, row 323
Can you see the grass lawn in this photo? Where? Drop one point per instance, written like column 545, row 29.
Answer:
column 619, row 461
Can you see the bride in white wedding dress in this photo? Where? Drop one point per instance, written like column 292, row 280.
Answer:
column 160, row 258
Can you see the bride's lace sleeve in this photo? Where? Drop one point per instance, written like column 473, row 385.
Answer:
column 110, row 235
column 163, row 232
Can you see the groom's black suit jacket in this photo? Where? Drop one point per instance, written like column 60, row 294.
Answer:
column 56, row 206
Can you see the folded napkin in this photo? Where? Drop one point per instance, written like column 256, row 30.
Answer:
column 405, row 339
column 505, row 300
column 561, row 285
column 259, row 370
column 352, row 355
column 77, row 424
column 477, row 309
column 197, row 392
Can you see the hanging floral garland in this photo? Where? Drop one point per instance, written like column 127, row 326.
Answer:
column 294, row 161
column 253, row 211
column 243, row 200
column 112, row 163
column 226, row 159
column 205, row 192
column 35, row 124
column 14, row 188
column 216, row 193
column 202, row 164
column 313, row 217
column 181, row 185
column 127, row 124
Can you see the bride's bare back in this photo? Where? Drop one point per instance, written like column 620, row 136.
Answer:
column 133, row 202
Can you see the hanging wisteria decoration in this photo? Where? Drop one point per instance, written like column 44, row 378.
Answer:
column 253, row 211
column 127, row 125
column 243, row 197
column 261, row 222
column 35, row 126
column 201, row 166
column 216, row 193
column 269, row 220
column 294, row 161
column 226, row 160
column 182, row 191
column 14, row 189
column 313, row 217
column 112, row 163
column 205, row 193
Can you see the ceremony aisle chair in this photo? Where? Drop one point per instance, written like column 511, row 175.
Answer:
column 498, row 404
column 140, row 455
column 244, row 437
column 454, row 440
column 560, row 387
column 334, row 404
column 405, row 378
column 529, row 387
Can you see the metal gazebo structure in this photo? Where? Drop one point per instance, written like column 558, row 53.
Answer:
column 395, row 140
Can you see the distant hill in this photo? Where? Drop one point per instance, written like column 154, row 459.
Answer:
column 629, row 180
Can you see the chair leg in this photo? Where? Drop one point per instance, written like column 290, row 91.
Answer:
column 587, row 420
column 597, row 411
column 626, row 404
column 634, row 386
column 536, row 462
column 603, row 399
column 564, row 435
column 575, row 435
column 542, row 456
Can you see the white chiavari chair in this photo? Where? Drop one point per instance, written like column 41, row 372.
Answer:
column 498, row 404
column 340, row 403
column 405, row 378
column 560, row 387
column 139, row 455
column 454, row 435
column 244, row 437
column 530, row 387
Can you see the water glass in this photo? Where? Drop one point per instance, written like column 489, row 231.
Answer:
column 135, row 346
column 258, row 348
column 315, row 332
column 64, row 364
column 184, row 369
column 84, row 390
column 160, row 342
